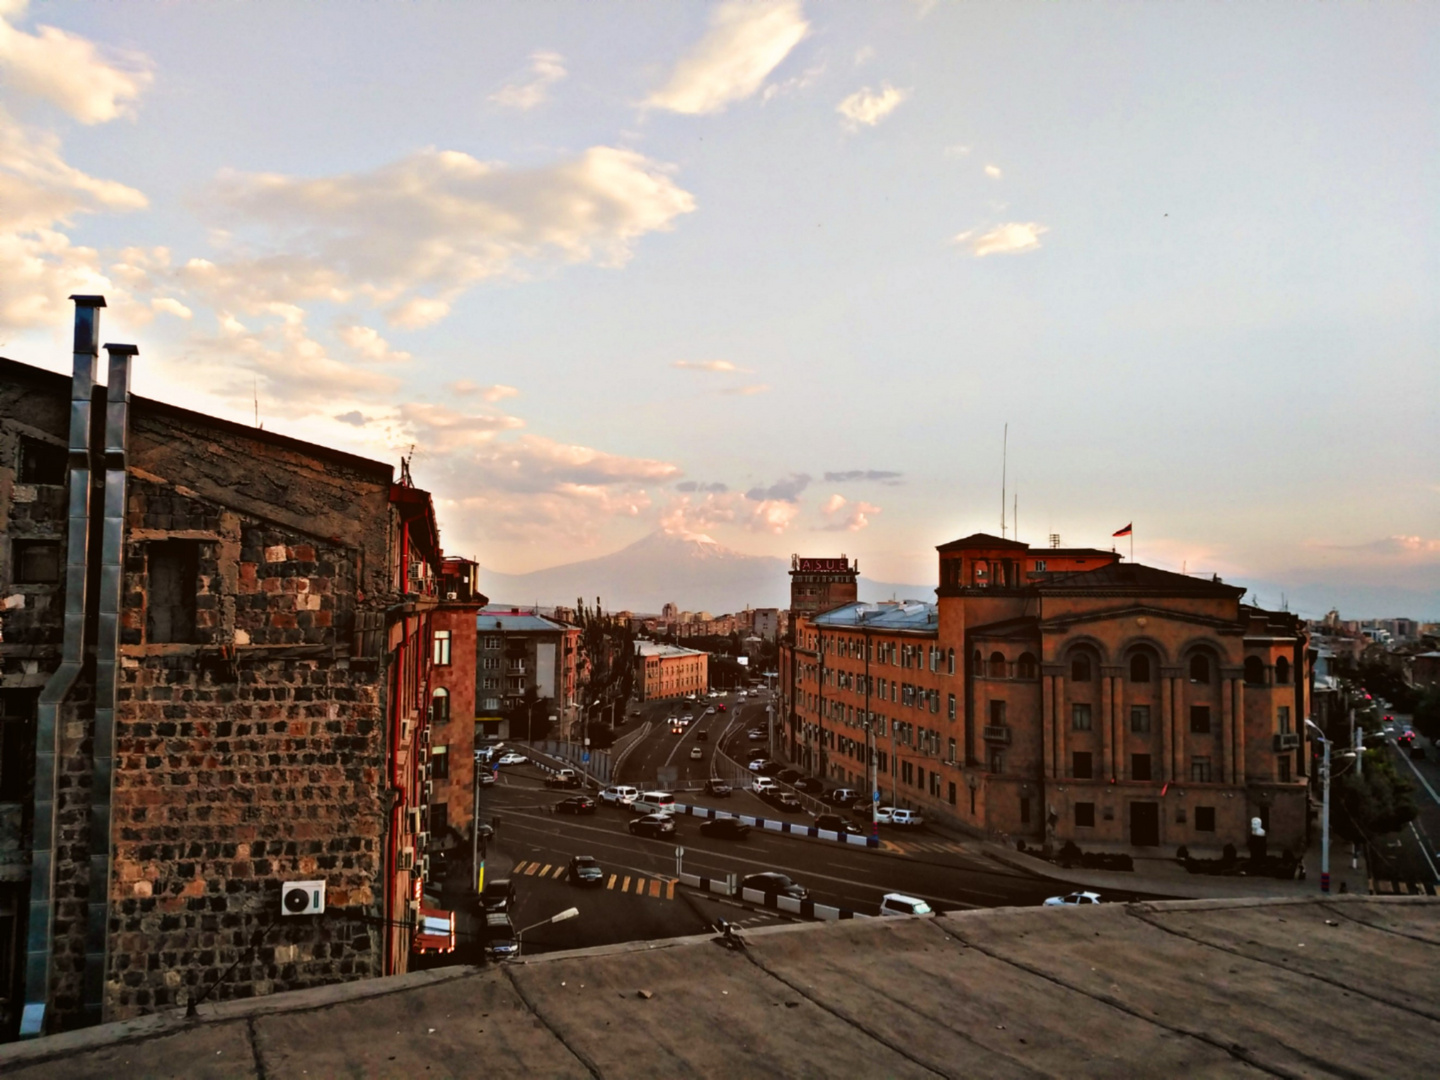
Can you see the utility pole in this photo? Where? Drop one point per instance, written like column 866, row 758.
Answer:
column 1325, row 811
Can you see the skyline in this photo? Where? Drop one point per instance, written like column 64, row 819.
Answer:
column 776, row 274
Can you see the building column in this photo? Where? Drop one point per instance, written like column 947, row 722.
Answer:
column 1239, row 711
column 1107, row 740
column 1167, row 707
column 1227, row 730
column 1062, row 725
column 1047, row 722
column 1181, row 722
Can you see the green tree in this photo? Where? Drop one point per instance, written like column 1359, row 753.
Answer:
column 1427, row 713
column 607, row 651
column 1369, row 805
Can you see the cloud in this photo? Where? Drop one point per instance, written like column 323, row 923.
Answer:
column 846, row 516
column 787, row 490
column 772, row 516
column 546, row 69
column 492, row 393
column 1400, row 548
column 747, row 391
column 436, row 222
column 443, row 430
column 744, row 44
column 715, row 488
column 866, row 107
column 1005, row 239
column 864, row 55
column 957, row 151
column 369, row 345
column 707, row 365
column 881, row 475
column 170, row 306
column 993, row 171
column 534, row 463
column 354, row 417
column 69, row 71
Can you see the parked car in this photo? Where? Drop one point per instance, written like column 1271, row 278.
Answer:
column 900, row 904
column 811, row 785
column 619, row 795
column 789, row 776
column 653, row 825
column 774, row 884
column 841, row 796
column 725, row 828
column 576, row 804
column 513, row 758
column 498, row 896
column 837, row 824
column 719, row 788
column 696, row 753
column 561, row 781
column 786, row 802
column 584, row 870
column 895, row 815
column 1073, row 899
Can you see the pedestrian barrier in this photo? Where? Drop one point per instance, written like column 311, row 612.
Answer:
column 723, row 886
column 784, row 827
column 806, row 909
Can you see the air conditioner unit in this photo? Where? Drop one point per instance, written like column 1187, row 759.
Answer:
column 425, row 737
column 415, row 819
column 429, row 789
column 1287, row 741
column 302, row 898
column 422, row 841
column 425, row 868
column 404, row 730
column 405, row 861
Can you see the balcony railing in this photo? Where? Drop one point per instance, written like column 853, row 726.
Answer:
column 996, row 733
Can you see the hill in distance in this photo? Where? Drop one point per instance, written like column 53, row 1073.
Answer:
column 693, row 572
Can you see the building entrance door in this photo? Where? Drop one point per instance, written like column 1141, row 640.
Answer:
column 1145, row 824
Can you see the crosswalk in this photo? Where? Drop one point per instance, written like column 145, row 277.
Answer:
column 1384, row 887
column 656, row 888
column 929, row 847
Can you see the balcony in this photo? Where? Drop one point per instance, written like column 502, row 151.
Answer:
column 996, row 733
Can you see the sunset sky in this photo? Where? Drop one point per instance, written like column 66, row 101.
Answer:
column 774, row 273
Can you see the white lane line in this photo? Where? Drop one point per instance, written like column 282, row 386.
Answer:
column 1424, row 850
column 1405, row 757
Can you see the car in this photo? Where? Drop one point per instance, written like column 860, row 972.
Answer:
column 725, row 828
column 757, row 764
column 900, row 904
column 718, row 788
column 653, row 825
column 721, row 706
column 501, row 941
column 840, row 796
column 761, row 784
column 513, row 758
column 786, row 802
column 584, row 870
column 654, row 802
column 772, row 883
column 789, row 776
column 702, row 736
column 571, row 781
column 498, row 896
column 619, row 795
column 896, row 815
column 837, row 824
column 485, row 777
column 576, row 804
column 756, row 753
column 740, row 696
column 811, row 785
column 696, row 753
column 1073, row 899
column 709, row 710
column 755, row 735
column 1405, row 738
column 1417, row 753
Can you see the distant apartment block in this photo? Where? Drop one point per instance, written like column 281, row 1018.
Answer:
column 517, row 652
column 668, row 671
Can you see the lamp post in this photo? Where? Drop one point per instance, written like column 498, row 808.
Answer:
column 568, row 913
column 1325, row 812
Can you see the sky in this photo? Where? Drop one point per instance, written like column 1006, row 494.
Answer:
column 779, row 273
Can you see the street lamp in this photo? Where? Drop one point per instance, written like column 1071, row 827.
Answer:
column 568, row 913
column 1325, row 813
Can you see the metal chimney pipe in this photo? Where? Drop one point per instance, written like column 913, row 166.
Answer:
column 107, row 645
column 39, row 947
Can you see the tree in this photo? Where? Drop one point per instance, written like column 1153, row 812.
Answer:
column 607, row 650
column 1427, row 713
column 1369, row 805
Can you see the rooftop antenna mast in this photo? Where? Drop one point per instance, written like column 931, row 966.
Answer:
column 1004, row 457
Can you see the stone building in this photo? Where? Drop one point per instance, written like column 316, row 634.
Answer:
column 1059, row 694
column 215, row 676
column 669, row 671
column 452, row 699
column 818, row 585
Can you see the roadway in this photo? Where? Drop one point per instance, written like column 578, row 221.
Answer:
column 1411, row 857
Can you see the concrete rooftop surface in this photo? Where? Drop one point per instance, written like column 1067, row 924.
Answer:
column 1343, row 987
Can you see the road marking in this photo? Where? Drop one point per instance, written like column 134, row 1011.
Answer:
column 670, row 891
column 558, row 871
column 1405, row 757
column 1424, row 850
column 611, row 883
column 626, row 886
column 531, row 871
column 519, row 867
column 639, row 885
column 654, row 889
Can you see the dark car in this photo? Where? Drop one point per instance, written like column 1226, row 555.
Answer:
column 718, row 788
column 562, row 781
column 725, row 828
column 836, row 823
column 788, row 776
column 785, row 802
column 702, row 736
column 501, row 942
column 498, row 896
column 576, row 804
column 810, row 785
column 584, row 870
column 654, row 825
column 755, row 753
column 1417, row 753
column 773, row 884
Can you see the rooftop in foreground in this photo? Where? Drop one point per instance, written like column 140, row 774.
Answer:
column 1291, row 987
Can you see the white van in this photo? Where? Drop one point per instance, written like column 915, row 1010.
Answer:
column 654, row 802
column 899, row 904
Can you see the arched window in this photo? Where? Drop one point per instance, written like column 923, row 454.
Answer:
column 982, row 572
column 977, row 662
column 1282, row 670
column 1254, row 671
column 1140, row 668
column 440, row 706
column 1200, row 668
column 1080, row 669
column 1025, row 668
column 997, row 665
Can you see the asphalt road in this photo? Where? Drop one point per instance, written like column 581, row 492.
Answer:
column 661, row 750
column 1413, row 854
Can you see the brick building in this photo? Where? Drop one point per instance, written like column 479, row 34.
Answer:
column 818, row 585
column 213, row 679
column 668, row 671
column 1059, row 694
column 452, row 699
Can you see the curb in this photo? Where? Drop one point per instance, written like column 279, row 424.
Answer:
column 782, row 827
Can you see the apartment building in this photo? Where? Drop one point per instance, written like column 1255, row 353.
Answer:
column 669, row 671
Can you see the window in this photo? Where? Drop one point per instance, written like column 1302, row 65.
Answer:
column 441, row 639
column 41, row 462
column 1140, row 767
column 997, row 712
column 491, row 704
column 951, row 707
column 1200, row 770
column 1024, row 809
column 997, row 665
column 440, row 763
column 17, row 725
column 1254, row 671
column 491, row 663
column 170, row 605
column 1080, row 669
column 951, row 660
column 1199, row 719
column 952, row 752
column 1140, row 668
column 1080, row 765
column 977, row 663
column 1080, row 717
column 935, row 784
column 1140, row 719
column 492, row 642
column 35, row 562
column 997, row 761
column 952, row 792
column 1282, row 768
column 1085, row 815
column 1282, row 671
column 934, row 701
column 440, row 706
column 1204, row 819
column 439, row 818
column 1039, row 566
column 490, row 682
column 907, row 772
column 1282, row 719
column 1200, row 669
column 1025, row 668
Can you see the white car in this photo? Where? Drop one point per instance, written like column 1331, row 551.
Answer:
column 899, row 904
column 763, row 784
column 513, row 758
column 696, row 754
column 900, row 816
column 619, row 795
column 757, row 764
column 1073, row 899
